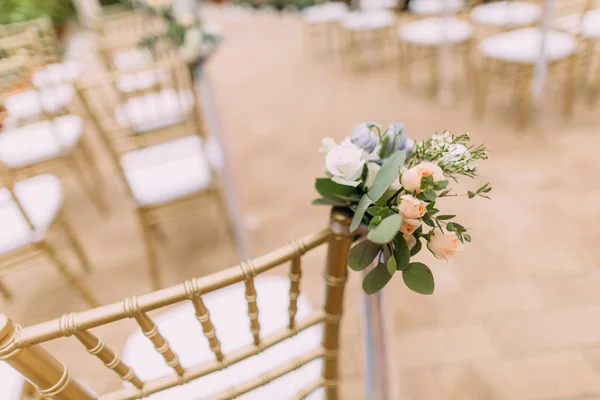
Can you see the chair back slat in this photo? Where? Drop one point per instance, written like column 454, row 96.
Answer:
column 53, row 379
column 96, row 347
column 295, row 276
column 45, row 36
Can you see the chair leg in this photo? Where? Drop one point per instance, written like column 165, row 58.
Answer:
column 159, row 232
column 523, row 101
column 434, row 70
column 5, row 292
column 230, row 226
column 569, row 95
column 153, row 265
column 69, row 276
column 82, row 163
column 72, row 239
column 481, row 87
column 408, row 60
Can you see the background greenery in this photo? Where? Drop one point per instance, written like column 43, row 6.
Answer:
column 23, row 10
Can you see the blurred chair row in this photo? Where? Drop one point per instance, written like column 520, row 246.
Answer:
column 145, row 108
column 507, row 36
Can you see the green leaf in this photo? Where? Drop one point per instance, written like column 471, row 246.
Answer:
column 391, row 265
column 376, row 279
column 450, row 227
column 439, row 185
column 329, row 189
column 328, row 202
column 373, row 211
column 402, row 253
column 418, row 278
column 359, row 213
column 416, row 248
column 386, row 230
column 444, row 193
column 362, row 255
column 467, row 237
column 445, row 217
column 429, row 195
column 387, row 175
column 428, row 221
column 470, row 194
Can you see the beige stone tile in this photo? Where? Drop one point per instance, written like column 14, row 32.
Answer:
column 569, row 291
column 420, row 383
column 464, row 383
column 537, row 332
column 420, row 347
column 554, row 376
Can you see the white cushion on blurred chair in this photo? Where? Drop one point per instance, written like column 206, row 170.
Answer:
column 32, row 103
column 523, row 45
column 588, row 26
column 39, row 141
column 228, row 311
column 436, row 31
column 41, row 198
column 52, row 74
column 435, row 7
column 156, row 110
column 368, row 20
column 11, row 383
column 129, row 59
column 138, row 81
column 506, row 13
column 370, row 5
column 326, row 12
column 167, row 171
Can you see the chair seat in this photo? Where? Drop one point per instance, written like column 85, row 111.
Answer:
column 326, row 12
column 167, row 171
column 436, row 31
column 131, row 59
column 39, row 141
column 368, row 20
column 11, row 383
column 53, row 74
column 156, row 110
column 32, row 103
column 588, row 26
column 41, row 198
column 506, row 13
column 523, row 45
column 229, row 314
column 138, row 81
column 435, row 7
column 369, row 5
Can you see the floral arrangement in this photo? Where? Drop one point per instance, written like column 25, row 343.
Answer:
column 393, row 187
column 196, row 39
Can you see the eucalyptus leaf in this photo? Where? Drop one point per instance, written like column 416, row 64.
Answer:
column 391, row 265
column 330, row 190
column 387, row 175
column 362, row 255
column 418, row 278
column 359, row 213
column 386, row 230
column 376, row 279
column 401, row 253
column 328, row 202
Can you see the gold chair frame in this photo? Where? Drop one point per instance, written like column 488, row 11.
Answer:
column 122, row 139
column 20, row 347
column 352, row 50
column 45, row 248
column 46, row 35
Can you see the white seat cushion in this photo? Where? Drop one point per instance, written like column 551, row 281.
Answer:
column 52, row 74
column 156, row 110
column 39, row 141
column 523, row 45
column 506, row 13
column 167, row 171
column 436, row 31
column 435, row 7
column 378, row 4
column 588, row 26
column 368, row 20
column 326, row 12
column 138, row 80
column 11, row 383
column 41, row 198
column 228, row 310
column 130, row 59
column 32, row 103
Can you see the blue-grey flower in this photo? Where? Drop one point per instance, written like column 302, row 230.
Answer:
column 364, row 137
column 397, row 139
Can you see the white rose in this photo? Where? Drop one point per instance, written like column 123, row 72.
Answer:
column 444, row 245
column 409, row 226
column 345, row 164
column 410, row 207
column 411, row 179
column 372, row 170
column 327, row 144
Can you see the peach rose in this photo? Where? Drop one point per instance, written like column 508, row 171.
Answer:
column 409, row 226
column 444, row 244
column 411, row 179
column 410, row 207
column 411, row 241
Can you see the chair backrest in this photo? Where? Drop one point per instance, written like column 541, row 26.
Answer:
column 568, row 15
column 14, row 74
column 25, row 41
column 7, row 181
column 126, row 26
column 46, row 35
column 20, row 347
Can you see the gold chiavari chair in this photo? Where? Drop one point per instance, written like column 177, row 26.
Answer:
column 39, row 134
column 32, row 221
column 23, row 42
column 321, row 23
column 289, row 351
column 157, row 141
column 126, row 26
column 424, row 39
column 514, row 54
column 45, row 35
